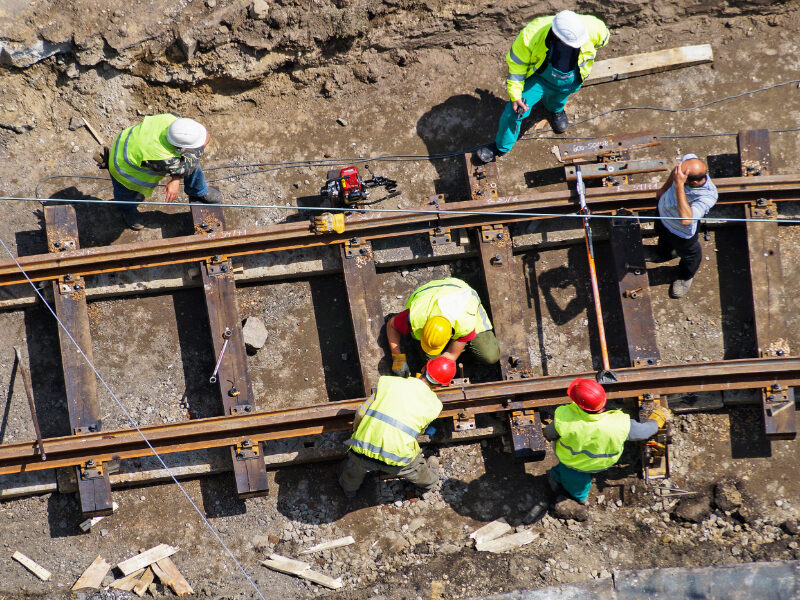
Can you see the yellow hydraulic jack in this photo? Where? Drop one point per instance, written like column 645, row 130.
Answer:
column 655, row 451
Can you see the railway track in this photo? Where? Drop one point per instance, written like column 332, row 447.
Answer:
column 518, row 396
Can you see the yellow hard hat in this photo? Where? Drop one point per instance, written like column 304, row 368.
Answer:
column 435, row 335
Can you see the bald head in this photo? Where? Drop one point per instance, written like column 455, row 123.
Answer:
column 694, row 168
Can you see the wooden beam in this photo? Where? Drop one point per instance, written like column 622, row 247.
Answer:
column 128, row 582
column 766, row 278
column 169, row 575
column 298, row 568
column 144, row 582
column 94, row 489
column 624, row 67
column 92, row 577
column 31, row 565
column 146, row 558
column 233, row 379
column 364, row 300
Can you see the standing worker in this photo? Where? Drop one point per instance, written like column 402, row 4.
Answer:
column 160, row 145
column 386, row 427
column 685, row 198
column 446, row 316
column 548, row 61
column 588, row 439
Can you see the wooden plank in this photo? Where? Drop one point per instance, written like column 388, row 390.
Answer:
column 625, row 236
column 345, row 541
column 298, row 568
column 233, row 379
column 94, row 489
column 624, row 67
column 32, row 566
column 92, row 577
column 144, row 582
column 766, row 278
column 128, row 582
column 89, row 523
column 169, row 575
column 490, row 531
column 146, row 558
column 366, row 314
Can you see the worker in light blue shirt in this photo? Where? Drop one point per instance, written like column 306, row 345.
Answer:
column 684, row 199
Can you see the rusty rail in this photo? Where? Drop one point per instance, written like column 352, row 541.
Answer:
column 366, row 226
column 471, row 399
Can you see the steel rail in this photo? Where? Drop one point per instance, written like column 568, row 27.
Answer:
column 298, row 234
column 469, row 399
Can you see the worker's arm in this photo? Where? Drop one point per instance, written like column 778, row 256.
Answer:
column 454, row 350
column 598, row 32
column 172, row 188
column 362, row 410
column 664, row 188
column 642, row 431
column 684, row 210
column 550, row 431
column 393, row 335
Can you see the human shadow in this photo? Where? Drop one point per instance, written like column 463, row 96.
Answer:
column 748, row 438
column 459, row 124
column 311, row 493
column 9, row 395
column 64, row 515
column 736, row 303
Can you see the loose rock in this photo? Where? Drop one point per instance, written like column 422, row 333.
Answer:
column 694, row 510
column 569, row 509
column 254, row 333
column 727, row 496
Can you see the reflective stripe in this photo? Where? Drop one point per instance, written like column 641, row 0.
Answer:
column 584, row 63
column 513, row 77
column 515, row 58
column 392, row 421
column 380, row 451
column 125, row 175
column 130, row 164
column 587, row 453
column 484, row 317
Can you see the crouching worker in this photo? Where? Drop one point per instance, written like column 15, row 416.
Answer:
column 588, row 439
column 386, row 427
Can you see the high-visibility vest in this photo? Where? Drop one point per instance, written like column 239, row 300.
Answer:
column 136, row 144
column 452, row 299
column 402, row 409
column 529, row 51
column 590, row 442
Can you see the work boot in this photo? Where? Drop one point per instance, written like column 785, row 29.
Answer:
column 680, row 287
column 213, row 196
column 652, row 255
column 568, row 508
column 488, row 153
column 559, row 121
column 133, row 219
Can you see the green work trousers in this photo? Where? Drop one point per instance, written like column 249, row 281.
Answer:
column 483, row 348
column 356, row 466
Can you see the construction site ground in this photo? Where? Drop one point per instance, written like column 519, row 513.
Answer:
column 353, row 79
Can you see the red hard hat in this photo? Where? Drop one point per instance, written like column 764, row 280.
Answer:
column 440, row 370
column 587, row 394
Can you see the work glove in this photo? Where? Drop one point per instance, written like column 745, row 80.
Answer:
column 661, row 416
column 400, row 365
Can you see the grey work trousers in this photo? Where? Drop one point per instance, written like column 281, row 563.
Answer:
column 356, row 466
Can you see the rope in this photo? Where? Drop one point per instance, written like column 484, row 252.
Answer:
column 132, row 421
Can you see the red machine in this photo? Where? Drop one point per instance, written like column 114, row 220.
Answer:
column 345, row 187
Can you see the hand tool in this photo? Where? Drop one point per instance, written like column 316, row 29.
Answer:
column 226, row 335
column 606, row 375
column 29, row 393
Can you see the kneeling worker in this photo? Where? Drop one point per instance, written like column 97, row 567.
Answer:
column 588, row 440
column 145, row 153
column 386, row 427
column 446, row 316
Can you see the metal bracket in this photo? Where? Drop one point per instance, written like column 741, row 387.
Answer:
column 440, row 235
column 764, row 208
column 527, row 437
column 463, row 421
column 63, row 245
column 655, row 451
column 91, row 469
column 209, row 225
column 776, row 399
column 242, row 409
column 492, row 233
column 647, row 362
column 355, row 247
column 69, row 283
column 247, row 450
column 92, row 428
column 218, row 265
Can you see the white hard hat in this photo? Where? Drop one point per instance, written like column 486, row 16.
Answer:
column 569, row 28
column 186, row 133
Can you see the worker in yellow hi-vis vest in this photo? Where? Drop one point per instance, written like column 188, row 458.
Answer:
column 160, row 146
column 446, row 316
column 387, row 424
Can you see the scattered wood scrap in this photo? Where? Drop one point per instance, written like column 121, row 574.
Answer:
column 507, row 542
column 89, row 523
column 146, row 558
column 298, row 568
column 345, row 541
column 490, row 531
column 169, row 575
column 92, row 577
column 128, row 582
column 29, row 564
column 144, row 582
column 624, row 67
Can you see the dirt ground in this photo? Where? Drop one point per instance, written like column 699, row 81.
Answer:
column 403, row 78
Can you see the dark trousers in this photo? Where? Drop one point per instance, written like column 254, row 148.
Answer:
column 688, row 250
column 194, row 184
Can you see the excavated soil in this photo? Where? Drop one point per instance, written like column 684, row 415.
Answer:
column 287, row 81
